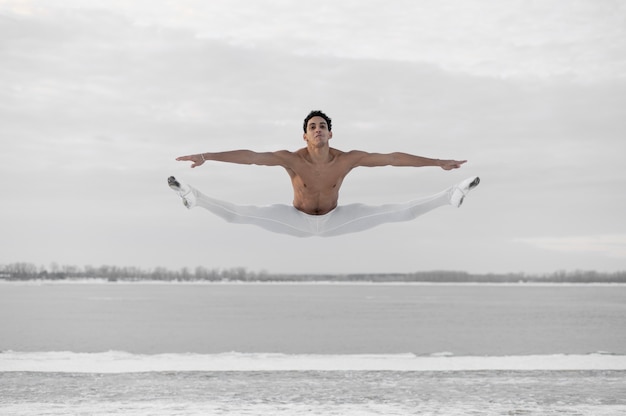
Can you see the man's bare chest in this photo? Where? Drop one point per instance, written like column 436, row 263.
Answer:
column 321, row 179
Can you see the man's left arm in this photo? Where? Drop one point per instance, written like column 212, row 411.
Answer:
column 401, row 159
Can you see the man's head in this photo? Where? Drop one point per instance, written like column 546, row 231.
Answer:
column 317, row 113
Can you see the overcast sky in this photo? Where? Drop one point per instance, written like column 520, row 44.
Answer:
column 97, row 98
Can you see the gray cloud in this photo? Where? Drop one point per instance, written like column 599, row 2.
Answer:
column 96, row 103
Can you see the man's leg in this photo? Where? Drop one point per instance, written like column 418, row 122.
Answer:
column 279, row 218
column 359, row 217
column 354, row 218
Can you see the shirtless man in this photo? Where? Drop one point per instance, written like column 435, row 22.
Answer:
column 317, row 172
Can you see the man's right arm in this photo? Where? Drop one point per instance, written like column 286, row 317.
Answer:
column 242, row 157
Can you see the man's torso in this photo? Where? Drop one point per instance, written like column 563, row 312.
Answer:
column 316, row 186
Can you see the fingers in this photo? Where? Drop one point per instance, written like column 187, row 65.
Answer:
column 191, row 158
column 452, row 164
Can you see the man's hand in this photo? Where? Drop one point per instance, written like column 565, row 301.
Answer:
column 451, row 164
column 196, row 159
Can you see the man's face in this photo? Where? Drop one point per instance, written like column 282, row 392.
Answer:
column 317, row 133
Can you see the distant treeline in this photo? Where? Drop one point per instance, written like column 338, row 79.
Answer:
column 28, row 271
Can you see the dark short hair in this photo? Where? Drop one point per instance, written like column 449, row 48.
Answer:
column 317, row 113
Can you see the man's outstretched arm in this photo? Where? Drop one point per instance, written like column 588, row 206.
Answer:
column 242, row 157
column 401, row 159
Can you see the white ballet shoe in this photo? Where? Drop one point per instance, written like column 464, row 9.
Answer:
column 461, row 190
column 183, row 190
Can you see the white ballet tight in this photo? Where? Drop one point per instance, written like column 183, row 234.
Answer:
column 286, row 219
